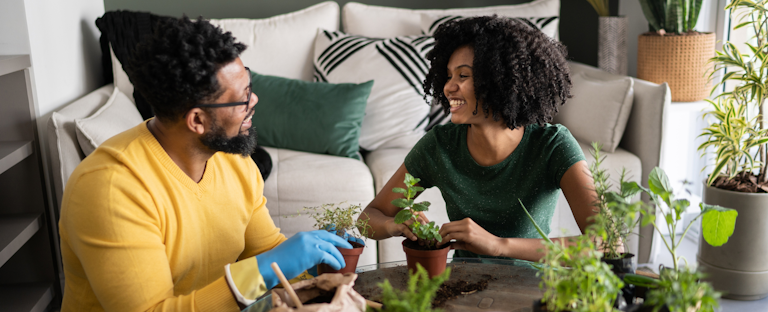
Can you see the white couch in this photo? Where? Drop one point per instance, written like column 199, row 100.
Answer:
column 283, row 46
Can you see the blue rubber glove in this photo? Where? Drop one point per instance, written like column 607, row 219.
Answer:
column 301, row 252
column 332, row 229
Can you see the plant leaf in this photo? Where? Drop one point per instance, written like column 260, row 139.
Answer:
column 718, row 223
column 419, row 207
column 398, row 190
column 400, row 203
column 402, row 216
column 544, row 236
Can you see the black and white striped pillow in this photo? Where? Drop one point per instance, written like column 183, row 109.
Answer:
column 397, row 113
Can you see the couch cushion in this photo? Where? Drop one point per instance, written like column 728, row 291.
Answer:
column 598, row 110
column 313, row 117
column 280, row 45
column 115, row 116
column 383, row 22
column 62, row 138
column 547, row 24
column 396, row 107
column 301, row 179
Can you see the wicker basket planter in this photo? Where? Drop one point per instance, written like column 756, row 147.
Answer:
column 679, row 60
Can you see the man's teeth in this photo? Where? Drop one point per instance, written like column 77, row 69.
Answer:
column 456, row 103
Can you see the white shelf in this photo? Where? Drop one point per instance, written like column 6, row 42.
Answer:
column 12, row 63
column 15, row 231
column 27, row 297
column 13, row 152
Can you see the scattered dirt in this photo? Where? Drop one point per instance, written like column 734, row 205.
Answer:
column 744, row 182
column 453, row 289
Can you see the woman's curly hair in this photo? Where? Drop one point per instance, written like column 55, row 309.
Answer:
column 520, row 74
column 175, row 68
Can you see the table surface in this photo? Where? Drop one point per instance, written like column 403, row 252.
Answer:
column 512, row 284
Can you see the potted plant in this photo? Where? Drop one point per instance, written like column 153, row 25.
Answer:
column 737, row 139
column 617, row 214
column 611, row 39
column 341, row 220
column 680, row 288
column 672, row 51
column 418, row 297
column 425, row 250
column 573, row 277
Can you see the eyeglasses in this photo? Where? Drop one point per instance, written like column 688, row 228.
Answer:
column 247, row 100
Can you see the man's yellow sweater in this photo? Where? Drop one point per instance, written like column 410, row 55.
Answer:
column 138, row 234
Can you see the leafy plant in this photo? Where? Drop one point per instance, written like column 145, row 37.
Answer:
column 681, row 291
column 418, row 297
column 573, row 276
column 600, row 6
column 671, row 16
column 734, row 134
column 339, row 219
column 717, row 225
column 617, row 214
column 427, row 233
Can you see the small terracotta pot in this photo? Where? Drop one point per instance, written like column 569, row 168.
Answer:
column 350, row 258
column 432, row 260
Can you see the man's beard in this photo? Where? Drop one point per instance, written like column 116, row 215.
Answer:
column 217, row 140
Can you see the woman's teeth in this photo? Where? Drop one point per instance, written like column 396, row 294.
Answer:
column 456, row 103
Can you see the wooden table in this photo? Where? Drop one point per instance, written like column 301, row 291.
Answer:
column 513, row 285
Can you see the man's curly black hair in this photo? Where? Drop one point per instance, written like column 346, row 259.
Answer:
column 175, row 68
column 520, row 74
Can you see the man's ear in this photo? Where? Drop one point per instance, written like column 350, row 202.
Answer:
column 196, row 120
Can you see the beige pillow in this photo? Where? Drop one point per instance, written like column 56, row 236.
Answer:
column 598, row 110
column 117, row 115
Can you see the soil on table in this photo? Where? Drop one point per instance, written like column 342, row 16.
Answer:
column 421, row 244
column 454, row 289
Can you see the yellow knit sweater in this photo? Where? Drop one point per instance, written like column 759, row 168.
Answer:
column 138, row 234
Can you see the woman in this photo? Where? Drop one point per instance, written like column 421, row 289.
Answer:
column 502, row 81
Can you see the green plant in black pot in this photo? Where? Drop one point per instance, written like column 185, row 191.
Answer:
column 617, row 213
column 573, row 277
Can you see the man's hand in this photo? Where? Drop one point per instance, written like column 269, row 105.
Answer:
column 470, row 236
column 394, row 229
column 301, row 252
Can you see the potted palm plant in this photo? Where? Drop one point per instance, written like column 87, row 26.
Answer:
column 737, row 138
column 340, row 219
column 424, row 251
column 672, row 51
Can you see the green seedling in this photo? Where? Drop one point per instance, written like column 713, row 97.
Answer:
column 428, row 233
column 418, row 297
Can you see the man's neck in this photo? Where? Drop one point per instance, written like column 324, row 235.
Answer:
column 182, row 147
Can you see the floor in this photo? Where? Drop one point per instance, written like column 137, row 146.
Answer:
column 688, row 250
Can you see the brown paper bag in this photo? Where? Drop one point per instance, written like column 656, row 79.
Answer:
column 345, row 299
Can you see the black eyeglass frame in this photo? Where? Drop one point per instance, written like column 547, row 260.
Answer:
column 247, row 100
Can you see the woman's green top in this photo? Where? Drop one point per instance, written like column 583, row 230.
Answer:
column 489, row 194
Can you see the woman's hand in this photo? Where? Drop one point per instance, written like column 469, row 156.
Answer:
column 404, row 229
column 471, row 237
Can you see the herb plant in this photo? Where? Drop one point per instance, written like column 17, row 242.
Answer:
column 573, row 276
column 340, row 218
column 427, row 233
column 681, row 291
column 617, row 214
column 418, row 297
column 717, row 224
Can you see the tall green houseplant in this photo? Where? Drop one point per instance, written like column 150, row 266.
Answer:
column 737, row 138
column 671, row 16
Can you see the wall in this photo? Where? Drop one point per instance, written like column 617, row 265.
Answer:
column 578, row 27
column 14, row 37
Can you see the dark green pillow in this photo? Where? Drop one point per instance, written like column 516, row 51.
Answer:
column 315, row 117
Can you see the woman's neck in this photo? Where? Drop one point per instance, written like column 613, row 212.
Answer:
column 490, row 144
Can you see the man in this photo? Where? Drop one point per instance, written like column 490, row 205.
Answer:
column 157, row 216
